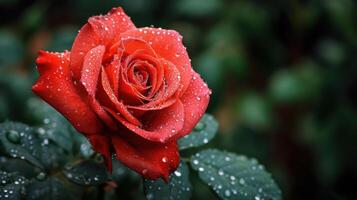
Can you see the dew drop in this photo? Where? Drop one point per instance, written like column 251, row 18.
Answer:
column 69, row 175
column 41, row 176
column 227, row 193
column 13, row 136
column 177, row 173
column 199, row 126
column 164, row 159
column 149, row 196
column 242, row 181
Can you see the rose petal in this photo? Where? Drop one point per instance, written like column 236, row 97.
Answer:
column 99, row 30
column 195, row 101
column 102, row 114
column 160, row 126
column 168, row 45
column 150, row 159
column 113, row 71
column 172, row 80
column 120, row 107
column 91, row 69
column 100, row 144
column 131, row 45
column 56, row 87
column 155, row 69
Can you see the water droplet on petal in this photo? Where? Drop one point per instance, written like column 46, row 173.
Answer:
column 164, row 159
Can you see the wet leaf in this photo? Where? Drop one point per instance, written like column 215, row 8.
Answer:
column 47, row 189
column 234, row 177
column 87, row 172
column 11, row 186
column 52, row 125
column 179, row 187
column 17, row 141
column 204, row 131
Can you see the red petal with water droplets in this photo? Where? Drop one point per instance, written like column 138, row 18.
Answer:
column 127, row 90
column 159, row 126
column 99, row 30
column 165, row 96
column 91, row 69
column 102, row 114
column 131, row 45
column 56, row 87
column 113, row 71
column 168, row 45
column 150, row 159
column 195, row 101
column 120, row 107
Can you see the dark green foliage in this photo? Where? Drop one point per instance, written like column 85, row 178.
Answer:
column 18, row 141
column 12, row 186
column 234, row 177
column 50, row 188
column 178, row 188
column 86, row 173
column 204, row 131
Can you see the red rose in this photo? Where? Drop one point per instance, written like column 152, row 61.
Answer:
column 129, row 90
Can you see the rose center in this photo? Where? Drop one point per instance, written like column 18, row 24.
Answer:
column 141, row 76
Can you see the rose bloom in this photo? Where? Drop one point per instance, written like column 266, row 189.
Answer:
column 131, row 91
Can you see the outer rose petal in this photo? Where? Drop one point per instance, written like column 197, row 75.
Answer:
column 99, row 30
column 56, row 87
column 168, row 45
column 195, row 101
column 150, row 159
column 160, row 126
column 100, row 143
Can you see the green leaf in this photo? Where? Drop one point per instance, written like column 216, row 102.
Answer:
column 234, row 177
column 51, row 189
column 204, row 131
column 179, row 187
column 87, row 172
column 82, row 146
column 11, row 185
column 121, row 172
column 17, row 141
column 52, row 125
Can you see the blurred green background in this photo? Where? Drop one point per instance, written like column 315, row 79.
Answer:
column 283, row 75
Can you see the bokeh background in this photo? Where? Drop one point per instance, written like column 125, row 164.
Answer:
column 283, row 75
